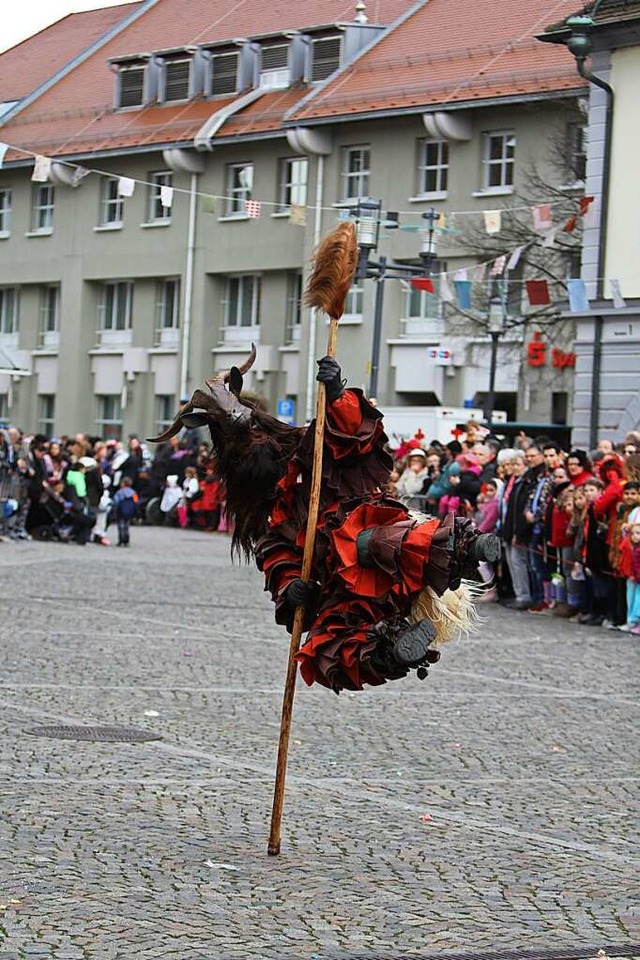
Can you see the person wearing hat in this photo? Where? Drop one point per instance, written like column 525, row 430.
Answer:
column 411, row 482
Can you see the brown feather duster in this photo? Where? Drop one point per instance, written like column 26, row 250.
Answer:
column 335, row 263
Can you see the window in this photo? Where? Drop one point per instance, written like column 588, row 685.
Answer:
column 498, row 159
column 421, row 307
column 577, row 134
column 356, row 162
column 46, row 413
column 325, row 57
column 294, row 307
column 167, row 311
column 176, row 80
column 114, row 309
column 433, row 166
column 4, row 408
column 157, row 212
column 274, row 68
column 111, row 204
column 49, row 315
column 165, row 410
column 109, row 419
column 243, row 301
column 224, row 73
column 131, row 86
column 5, row 211
column 239, row 186
column 292, row 187
column 42, row 220
column 353, row 302
column 8, row 311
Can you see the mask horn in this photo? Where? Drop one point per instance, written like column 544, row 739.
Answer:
column 235, row 381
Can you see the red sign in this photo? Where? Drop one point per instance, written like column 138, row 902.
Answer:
column 537, row 354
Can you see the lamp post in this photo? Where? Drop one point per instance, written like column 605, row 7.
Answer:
column 368, row 217
column 496, row 325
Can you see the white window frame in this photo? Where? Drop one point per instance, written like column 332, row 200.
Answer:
column 237, row 192
column 156, row 213
column 49, row 320
column 46, row 416
column 107, row 419
column 129, row 69
column 294, row 307
column 43, row 202
column 165, row 66
column 5, row 211
column 165, row 408
column 237, row 326
column 108, row 320
column 216, row 57
column 111, row 204
column 433, row 167
column 293, row 177
column 358, row 178
column 577, row 148
column 9, row 321
column 505, row 163
column 354, row 303
column 428, row 319
column 168, row 311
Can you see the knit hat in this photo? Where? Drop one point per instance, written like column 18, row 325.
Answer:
column 417, row 452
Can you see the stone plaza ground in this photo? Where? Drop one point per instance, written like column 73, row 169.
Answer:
column 490, row 807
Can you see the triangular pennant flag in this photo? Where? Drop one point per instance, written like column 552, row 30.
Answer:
column 478, row 273
column 461, row 274
column 498, row 265
column 618, row 300
column 126, row 186
column 166, row 196
column 423, row 283
column 550, row 238
column 538, row 293
column 463, row 293
column 542, row 217
column 441, row 222
column 78, row 175
column 514, row 259
column 209, row 204
column 571, row 223
column 446, row 293
column 297, row 215
column 253, row 208
column 578, row 300
column 584, row 203
column 41, row 169
column 3, row 149
column 493, row 221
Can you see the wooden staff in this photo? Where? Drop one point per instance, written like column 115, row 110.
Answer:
column 332, row 276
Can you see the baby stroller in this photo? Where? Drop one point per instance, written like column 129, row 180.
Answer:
column 59, row 521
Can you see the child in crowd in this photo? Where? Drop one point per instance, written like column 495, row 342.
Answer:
column 414, row 479
column 125, row 507
column 596, row 557
column 487, row 521
column 190, row 492
column 633, row 583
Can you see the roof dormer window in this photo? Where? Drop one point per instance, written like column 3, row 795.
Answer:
column 176, row 81
column 325, row 57
column 274, row 66
column 131, row 86
column 223, row 76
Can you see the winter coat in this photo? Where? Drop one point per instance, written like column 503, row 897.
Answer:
column 635, row 563
column 487, row 520
column 514, row 524
column 606, row 506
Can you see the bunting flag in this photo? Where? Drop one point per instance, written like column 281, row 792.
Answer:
column 209, row 204
column 446, row 293
column 297, row 215
column 423, row 283
column 514, row 259
column 478, row 273
column 78, row 175
column 126, row 186
column 493, row 221
column 3, row 149
column 584, row 203
column 252, row 208
column 441, row 222
column 538, row 293
column 461, row 274
column 578, row 300
column 463, row 293
column 41, row 169
column 542, row 217
column 166, row 196
column 571, row 223
column 550, row 238
column 618, row 300
column 498, row 265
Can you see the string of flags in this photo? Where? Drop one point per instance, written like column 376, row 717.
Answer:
column 458, row 289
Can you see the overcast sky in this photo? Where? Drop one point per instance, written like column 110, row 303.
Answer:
column 29, row 16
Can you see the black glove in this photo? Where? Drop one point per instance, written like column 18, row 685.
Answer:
column 330, row 374
column 301, row 594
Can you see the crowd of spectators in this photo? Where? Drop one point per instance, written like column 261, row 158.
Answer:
column 569, row 521
column 73, row 488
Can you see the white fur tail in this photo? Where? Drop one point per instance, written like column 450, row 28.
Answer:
column 452, row 614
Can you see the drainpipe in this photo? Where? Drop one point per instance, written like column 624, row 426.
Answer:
column 313, row 314
column 188, row 288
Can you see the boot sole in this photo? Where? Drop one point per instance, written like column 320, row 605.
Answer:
column 409, row 651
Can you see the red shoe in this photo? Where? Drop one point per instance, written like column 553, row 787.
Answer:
column 539, row 607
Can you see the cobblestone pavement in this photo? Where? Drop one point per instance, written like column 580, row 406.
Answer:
column 489, row 807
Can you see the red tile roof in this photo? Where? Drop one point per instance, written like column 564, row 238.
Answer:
column 26, row 66
column 470, row 50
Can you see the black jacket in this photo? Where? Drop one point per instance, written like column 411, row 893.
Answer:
column 514, row 524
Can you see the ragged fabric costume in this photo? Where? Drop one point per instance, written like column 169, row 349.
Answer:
column 380, row 574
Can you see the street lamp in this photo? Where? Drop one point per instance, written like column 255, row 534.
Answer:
column 367, row 214
column 495, row 327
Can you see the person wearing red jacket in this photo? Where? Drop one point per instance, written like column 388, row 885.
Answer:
column 605, row 510
column 579, row 468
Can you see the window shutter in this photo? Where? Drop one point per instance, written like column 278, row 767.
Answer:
column 224, row 73
column 132, row 87
column 276, row 57
column 177, row 79
column 326, row 57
